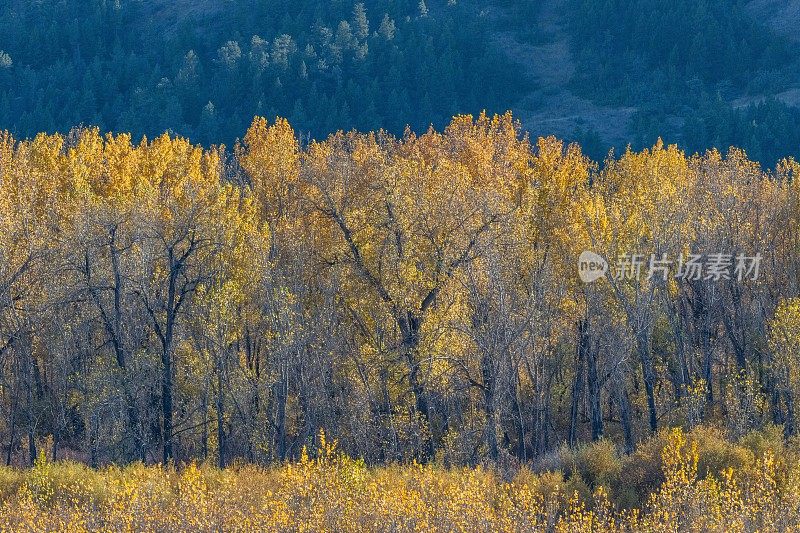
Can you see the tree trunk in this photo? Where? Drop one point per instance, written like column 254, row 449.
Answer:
column 166, row 358
column 120, row 348
column 134, row 425
column 166, row 404
column 93, row 437
column 28, row 365
column 625, row 418
column 521, row 450
column 281, row 394
column 410, row 327
column 385, row 422
column 649, row 377
column 489, row 405
column 221, row 438
column 421, row 406
column 708, row 360
column 788, row 428
column 595, row 405
column 578, row 383
column 13, row 429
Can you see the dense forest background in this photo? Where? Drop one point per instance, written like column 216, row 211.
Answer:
column 611, row 73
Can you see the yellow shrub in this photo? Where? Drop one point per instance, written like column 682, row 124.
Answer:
column 705, row 484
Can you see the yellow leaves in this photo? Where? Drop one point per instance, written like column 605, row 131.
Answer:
column 328, row 491
column 785, row 330
column 45, row 153
column 784, row 341
column 645, row 196
column 492, row 150
column 121, row 167
column 554, row 199
column 679, row 458
column 271, row 155
column 193, row 493
column 6, row 153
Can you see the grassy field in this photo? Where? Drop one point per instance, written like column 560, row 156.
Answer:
column 701, row 482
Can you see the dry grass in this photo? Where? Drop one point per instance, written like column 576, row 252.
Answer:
column 334, row 493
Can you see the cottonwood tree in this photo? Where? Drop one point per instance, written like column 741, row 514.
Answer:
column 638, row 214
column 404, row 217
column 180, row 193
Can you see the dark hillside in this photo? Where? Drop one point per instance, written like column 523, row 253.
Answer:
column 606, row 73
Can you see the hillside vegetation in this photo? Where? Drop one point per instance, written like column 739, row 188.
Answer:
column 701, row 74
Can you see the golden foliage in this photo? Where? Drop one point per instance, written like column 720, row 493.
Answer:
column 331, row 492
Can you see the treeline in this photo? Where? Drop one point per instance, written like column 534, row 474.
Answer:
column 415, row 297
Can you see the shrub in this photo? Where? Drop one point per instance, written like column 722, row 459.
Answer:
column 704, row 483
